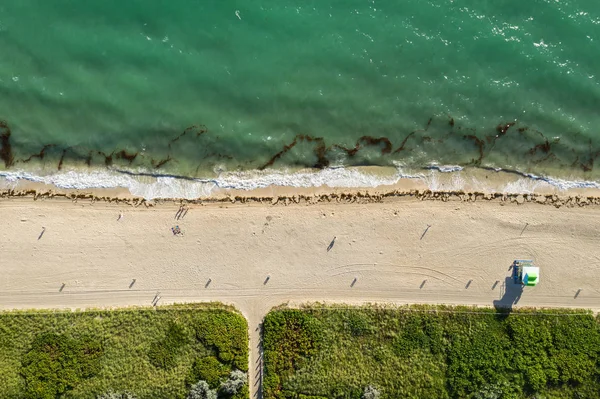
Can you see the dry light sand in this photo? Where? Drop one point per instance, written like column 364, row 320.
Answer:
column 463, row 258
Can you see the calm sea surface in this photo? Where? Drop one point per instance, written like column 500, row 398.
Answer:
column 192, row 88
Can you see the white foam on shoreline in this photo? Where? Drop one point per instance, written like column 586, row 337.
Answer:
column 152, row 186
column 445, row 168
column 72, row 179
column 562, row 184
column 332, row 177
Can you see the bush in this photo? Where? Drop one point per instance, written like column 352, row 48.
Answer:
column 237, row 379
column 289, row 337
column 419, row 333
column 201, row 390
column 115, row 347
column 209, row 369
column 56, row 364
column 490, row 392
column 163, row 353
column 227, row 334
column 176, row 336
column 113, row 395
column 478, row 357
column 358, row 324
column 454, row 354
column 370, row 393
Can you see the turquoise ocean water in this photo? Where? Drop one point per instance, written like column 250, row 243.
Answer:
column 193, row 88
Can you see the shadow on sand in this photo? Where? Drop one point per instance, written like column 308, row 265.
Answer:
column 511, row 294
column 258, row 382
column 425, row 232
column 331, row 244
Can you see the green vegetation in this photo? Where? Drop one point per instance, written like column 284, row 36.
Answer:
column 163, row 353
column 56, row 363
column 129, row 353
column 210, row 370
column 431, row 352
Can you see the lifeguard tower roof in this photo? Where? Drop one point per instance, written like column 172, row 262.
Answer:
column 531, row 275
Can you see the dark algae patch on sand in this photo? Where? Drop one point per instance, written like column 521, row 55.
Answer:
column 431, row 352
column 141, row 352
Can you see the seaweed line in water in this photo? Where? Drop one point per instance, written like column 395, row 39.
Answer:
column 484, row 145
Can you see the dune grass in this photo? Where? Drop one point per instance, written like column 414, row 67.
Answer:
column 431, row 352
column 146, row 352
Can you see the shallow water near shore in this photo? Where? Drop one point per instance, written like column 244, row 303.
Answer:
column 262, row 91
column 289, row 183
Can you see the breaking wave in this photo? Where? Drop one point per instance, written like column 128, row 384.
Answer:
column 151, row 186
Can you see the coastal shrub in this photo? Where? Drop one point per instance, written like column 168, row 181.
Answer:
column 370, row 393
column 113, row 361
column 412, row 337
column 114, row 395
column 555, row 352
column 163, row 353
column 56, row 364
column 571, row 348
column 209, row 369
column 201, row 390
column 227, row 334
column 479, row 352
column 160, row 356
column 429, row 351
column 237, row 379
column 492, row 391
column 290, row 336
column 358, row 324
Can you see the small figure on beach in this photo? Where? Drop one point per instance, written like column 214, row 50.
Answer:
column 120, row 216
column 267, row 279
column 42, row 233
column 176, row 231
column 331, row 244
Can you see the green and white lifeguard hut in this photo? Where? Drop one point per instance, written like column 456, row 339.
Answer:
column 526, row 273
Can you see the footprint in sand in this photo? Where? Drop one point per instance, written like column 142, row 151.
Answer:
column 269, row 218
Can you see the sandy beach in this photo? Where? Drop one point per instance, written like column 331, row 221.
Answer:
column 259, row 255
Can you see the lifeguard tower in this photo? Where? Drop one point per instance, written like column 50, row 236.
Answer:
column 526, row 273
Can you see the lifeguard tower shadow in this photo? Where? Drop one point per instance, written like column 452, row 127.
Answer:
column 511, row 294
